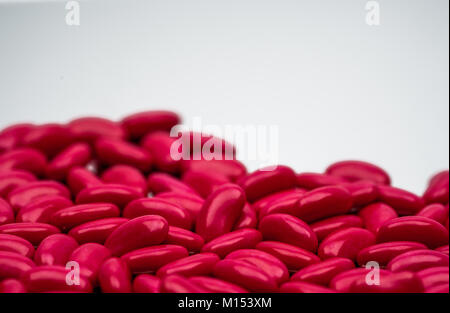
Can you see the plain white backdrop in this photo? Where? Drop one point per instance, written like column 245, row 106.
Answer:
column 336, row 87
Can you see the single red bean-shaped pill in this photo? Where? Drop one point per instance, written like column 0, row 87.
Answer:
column 32, row 232
column 293, row 257
column 327, row 226
column 239, row 239
column 145, row 283
column 359, row 170
column 438, row 189
column 12, row 243
column 55, row 250
column 72, row 216
column 414, row 228
column 204, row 183
column 80, row 178
column 174, row 214
column 113, row 152
column 159, row 145
column 6, row 213
column 220, row 212
column 140, row 124
column 389, row 283
column 77, row 154
column 11, row 136
column 54, row 279
column 119, row 195
column 343, row 281
column 160, row 182
column 443, row 249
column 114, row 276
column 434, row 276
column 13, row 265
column 248, row 218
column 444, row 288
column 13, row 179
column 150, row 259
column 304, row 287
column 179, row 284
column 41, row 210
column 345, row 243
column 12, row 286
column 436, row 212
column 322, row 273
column 90, row 257
column 190, row 202
column 275, row 197
column 285, row 204
column 289, row 229
column 244, row 274
column 404, row 202
column 417, row 260
column 96, row 231
column 315, row 180
column 125, row 175
column 89, row 129
column 322, row 203
column 267, row 181
column 215, row 285
column 25, row 159
column 183, row 237
column 23, row 196
column 194, row 265
column 376, row 214
column 137, row 233
column 383, row 253
column 362, row 192
column 48, row 138
column 231, row 169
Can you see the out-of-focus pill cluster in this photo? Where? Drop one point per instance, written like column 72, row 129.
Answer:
column 102, row 206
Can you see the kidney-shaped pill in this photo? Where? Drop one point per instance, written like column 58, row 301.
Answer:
column 6, row 213
column 145, row 283
column 96, row 231
column 405, row 282
column 114, row 276
column 33, row 232
column 322, row 273
column 55, row 250
column 376, row 214
column 12, row 243
column 327, row 226
column 119, row 195
column 89, row 129
column 239, row 239
column 90, row 257
column 125, row 175
column 359, row 170
column 183, row 237
column 194, row 265
column 215, row 285
column 404, row 202
column 13, row 265
column 41, row 210
column 13, row 179
column 315, row 180
column 26, row 159
column 80, row 178
column 140, row 124
column 438, row 188
column 417, row 260
column 77, row 154
column 436, row 211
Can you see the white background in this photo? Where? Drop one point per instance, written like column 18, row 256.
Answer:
column 336, row 87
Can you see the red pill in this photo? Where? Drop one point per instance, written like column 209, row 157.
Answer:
column 443, row 249
column 438, row 188
column 231, row 169
column 33, row 232
column 119, row 195
column 11, row 137
column 23, row 196
column 436, row 212
column 204, row 183
column 434, row 276
column 215, row 285
column 55, row 250
column 13, row 179
column 12, row 243
column 12, row 286
column 114, row 276
column 113, row 152
column 89, row 129
column 376, row 214
column 267, row 181
column 54, row 279
column 346, row 243
column 194, row 265
column 25, row 159
column 205, row 146
column 286, row 203
column 293, row 257
column 77, row 154
column 140, row 124
column 363, row 192
column 389, row 283
column 322, row 273
column 343, row 281
column 248, row 219
column 275, row 197
column 179, row 236
column 220, row 212
column 159, row 145
column 264, row 261
column 322, row 203
column 96, row 231
column 327, row 226
column 404, row 202
column 359, row 170
column 151, row 259
column 289, row 229
column 190, row 202
column 6, row 213
column 304, row 287
column 179, row 284
column 48, row 138
column 239, row 239
column 125, row 175
column 145, row 283
column 160, row 182
column 137, row 233
column 70, row 217
column 13, row 265
column 80, row 178
column 383, row 253
column 90, row 257
column 438, row 289
column 414, row 228
column 41, row 210
column 246, row 275
column 417, row 260
column 174, row 214
column 315, row 180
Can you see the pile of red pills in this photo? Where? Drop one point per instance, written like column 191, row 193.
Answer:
column 101, row 206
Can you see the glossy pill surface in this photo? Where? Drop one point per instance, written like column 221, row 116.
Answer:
column 32, row 232
column 12, row 243
column 194, row 265
column 55, row 250
column 96, row 231
column 327, row 226
column 417, row 260
column 359, row 170
column 322, row 273
column 383, row 253
column 239, row 239
column 119, row 195
column 114, row 276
